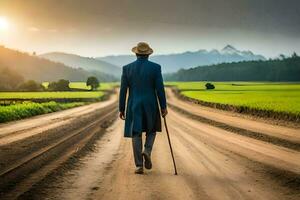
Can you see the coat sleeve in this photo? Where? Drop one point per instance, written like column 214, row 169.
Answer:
column 123, row 91
column 160, row 90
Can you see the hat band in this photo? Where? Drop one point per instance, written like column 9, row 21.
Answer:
column 143, row 50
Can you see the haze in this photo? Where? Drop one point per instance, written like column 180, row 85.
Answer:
column 99, row 28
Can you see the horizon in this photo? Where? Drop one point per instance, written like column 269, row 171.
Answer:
column 97, row 29
column 132, row 54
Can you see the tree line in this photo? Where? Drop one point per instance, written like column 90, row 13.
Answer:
column 280, row 69
column 12, row 81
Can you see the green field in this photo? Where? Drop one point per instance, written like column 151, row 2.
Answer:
column 50, row 95
column 64, row 94
column 21, row 110
column 279, row 97
column 82, row 85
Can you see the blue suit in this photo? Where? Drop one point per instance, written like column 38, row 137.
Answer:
column 143, row 80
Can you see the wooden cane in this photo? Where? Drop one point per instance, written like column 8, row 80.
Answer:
column 165, row 121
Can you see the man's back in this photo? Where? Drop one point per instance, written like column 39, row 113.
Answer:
column 144, row 81
column 141, row 76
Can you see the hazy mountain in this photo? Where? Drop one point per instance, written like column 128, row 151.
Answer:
column 174, row 62
column 41, row 69
column 89, row 64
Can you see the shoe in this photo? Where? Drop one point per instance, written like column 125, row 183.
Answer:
column 139, row 170
column 147, row 158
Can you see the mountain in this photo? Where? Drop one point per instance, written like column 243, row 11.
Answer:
column 89, row 64
column 173, row 62
column 287, row 69
column 41, row 69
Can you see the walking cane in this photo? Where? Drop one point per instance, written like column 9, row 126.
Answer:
column 165, row 120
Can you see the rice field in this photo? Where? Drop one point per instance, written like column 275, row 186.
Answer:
column 82, row 85
column 51, row 95
column 278, row 97
column 25, row 107
column 61, row 95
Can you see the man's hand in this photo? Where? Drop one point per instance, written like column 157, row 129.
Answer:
column 164, row 112
column 122, row 115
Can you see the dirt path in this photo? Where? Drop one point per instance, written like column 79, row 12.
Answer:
column 208, row 165
column 213, row 163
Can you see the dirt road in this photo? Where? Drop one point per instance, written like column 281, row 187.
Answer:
column 213, row 163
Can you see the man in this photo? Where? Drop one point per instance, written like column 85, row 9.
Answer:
column 144, row 81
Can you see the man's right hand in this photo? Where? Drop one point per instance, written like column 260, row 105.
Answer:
column 122, row 115
column 164, row 112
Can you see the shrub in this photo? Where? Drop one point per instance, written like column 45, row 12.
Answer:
column 61, row 85
column 209, row 86
column 31, row 86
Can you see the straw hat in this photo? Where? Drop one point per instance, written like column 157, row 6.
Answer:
column 142, row 48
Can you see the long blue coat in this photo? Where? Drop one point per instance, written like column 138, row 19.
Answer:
column 143, row 80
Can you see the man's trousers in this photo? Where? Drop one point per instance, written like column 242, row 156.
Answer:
column 137, row 146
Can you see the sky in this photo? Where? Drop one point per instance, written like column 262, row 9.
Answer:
column 112, row 27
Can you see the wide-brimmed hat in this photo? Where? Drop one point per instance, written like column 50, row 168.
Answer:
column 142, row 48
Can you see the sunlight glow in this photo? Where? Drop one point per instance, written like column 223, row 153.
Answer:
column 4, row 24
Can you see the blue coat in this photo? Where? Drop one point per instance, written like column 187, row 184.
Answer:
column 143, row 80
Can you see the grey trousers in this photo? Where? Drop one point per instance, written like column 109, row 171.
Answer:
column 137, row 145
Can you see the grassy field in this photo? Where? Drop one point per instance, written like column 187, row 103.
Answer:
column 82, row 85
column 28, row 109
column 279, row 97
column 16, row 111
column 65, row 94
column 50, row 95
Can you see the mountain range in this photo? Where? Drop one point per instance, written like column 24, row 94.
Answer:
column 173, row 62
column 56, row 65
column 86, row 63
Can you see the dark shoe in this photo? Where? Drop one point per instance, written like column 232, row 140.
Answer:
column 139, row 170
column 147, row 158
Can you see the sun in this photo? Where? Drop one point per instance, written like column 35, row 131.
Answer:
column 3, row 23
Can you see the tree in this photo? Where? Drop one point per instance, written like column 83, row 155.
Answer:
column 294, row 55
column 282, row 56
column 61, row 85
column 93, row 82
column 31, row 86
column 209, row 86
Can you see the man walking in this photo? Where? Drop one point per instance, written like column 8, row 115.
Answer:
column 144, row 81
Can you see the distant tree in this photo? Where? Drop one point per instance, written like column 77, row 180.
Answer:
column 282, row 56
column 61, row 85
column 93, row 82
column 31, row 86
column 209, row 86
column 294, row 55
